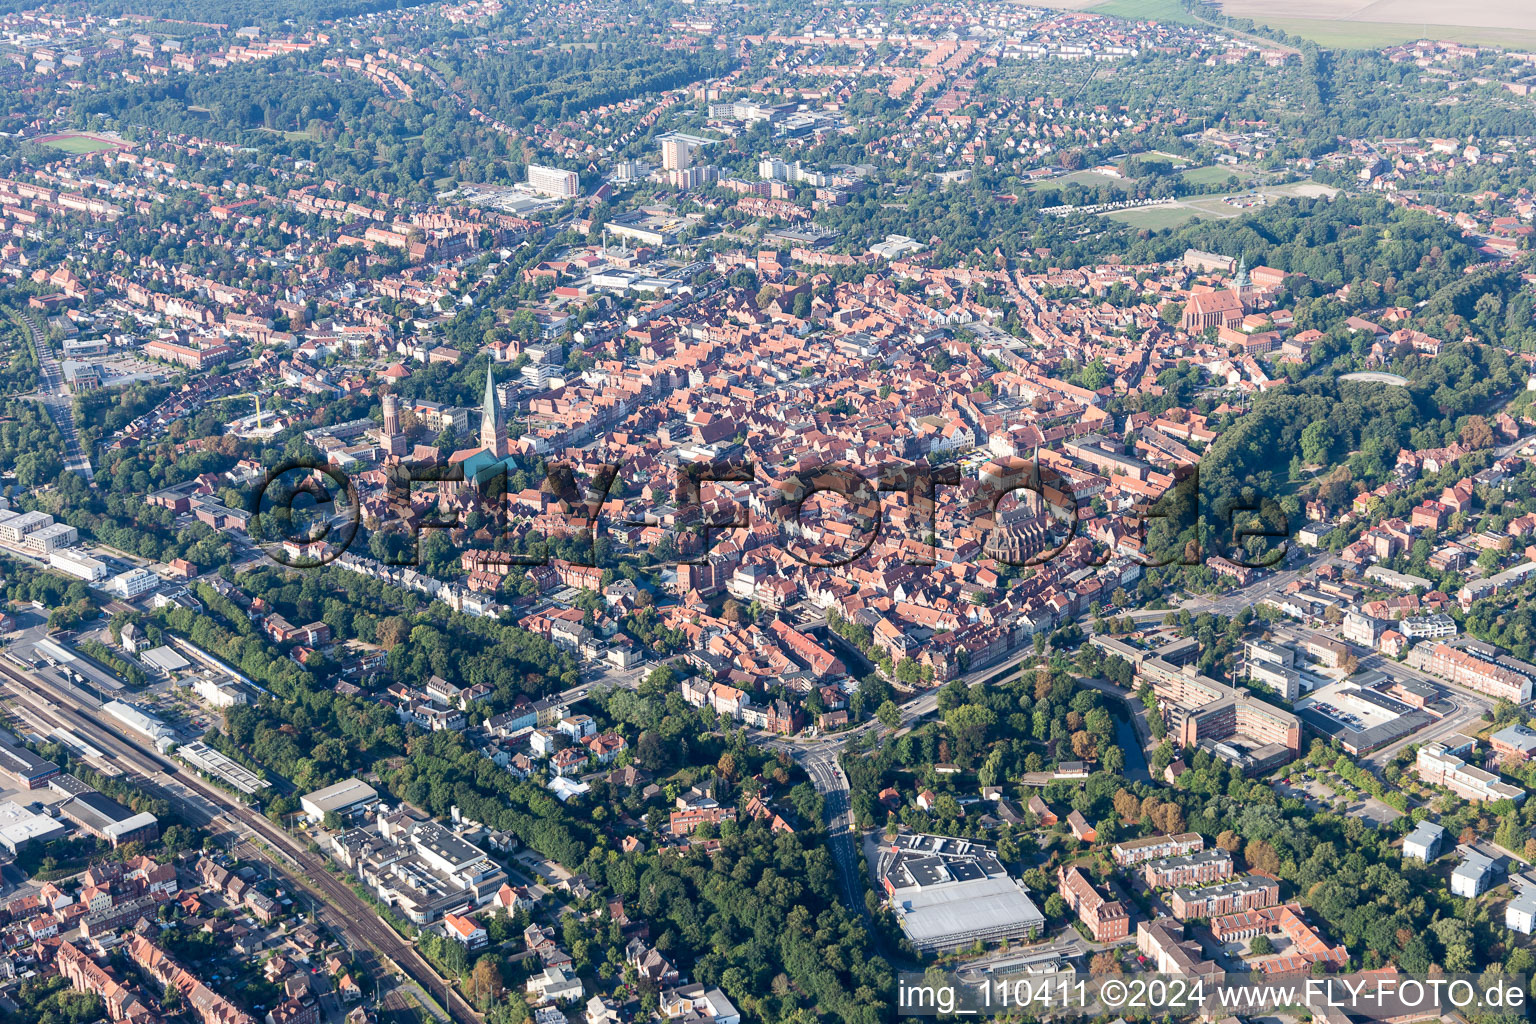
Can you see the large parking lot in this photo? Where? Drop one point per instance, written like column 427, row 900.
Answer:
column 1341, row 703
column 1361, row 719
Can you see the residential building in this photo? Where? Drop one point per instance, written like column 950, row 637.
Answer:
column 554, row 985
column 1474, row 875
column 1425, row 842
column 1520, row 912
column 552, row 181
column 696, row 1003
column 464, row 930
column 1130, row 852
column 1106, row 919
column 1162, row 941
column 122, row 1003
column 1199, row 868
column 1250, row 892
column 1477, row 671
column 1427, row 627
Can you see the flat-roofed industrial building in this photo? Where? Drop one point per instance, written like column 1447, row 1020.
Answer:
column 950, row 893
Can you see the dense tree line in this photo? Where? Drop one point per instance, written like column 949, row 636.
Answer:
column 102, row 413
column 30, row 445
column 423, row 638
column 50, row 999
column 540, row 86
column 1027, row 723
column 1249, row 467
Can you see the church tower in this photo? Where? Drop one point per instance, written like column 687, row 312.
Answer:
column 493, row 428
column 1243, row 284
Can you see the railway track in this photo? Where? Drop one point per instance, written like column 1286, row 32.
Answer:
column 294, row 861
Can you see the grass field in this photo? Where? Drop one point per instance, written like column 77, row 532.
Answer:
column 79, row 144
column 1364, row 35
column 1154, row 218
column 1214, row 175
column 289, row 136
column 1370, row 24
column 1211, row 207
column 1146, row 10
column 1088, row 179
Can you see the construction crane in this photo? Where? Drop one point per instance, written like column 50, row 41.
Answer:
column 244, row 394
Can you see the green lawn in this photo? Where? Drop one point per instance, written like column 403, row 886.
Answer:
column 1146, row 10
column 1088, row 179
column 1153, row 218
column 1213, row 175
column 80, row 144
column 291, row 136
column 1366, row 35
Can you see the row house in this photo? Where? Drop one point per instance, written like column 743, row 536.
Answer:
column 1130, row 852
column 1200, row 868
column 1251, row 892
column 1106, row 919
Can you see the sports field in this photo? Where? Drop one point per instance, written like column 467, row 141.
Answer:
column 1213, row 175
column 80, row 145
column 76, row 144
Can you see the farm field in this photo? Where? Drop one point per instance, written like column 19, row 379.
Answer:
column 1494, row 14
column 1358, row 35
column 1375, row 23
column 1147, row 10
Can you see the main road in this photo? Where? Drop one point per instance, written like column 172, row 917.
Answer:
column 819, row 757
column 843, row 840
column 1234, row 601
column 55, row 398
column 207, row 806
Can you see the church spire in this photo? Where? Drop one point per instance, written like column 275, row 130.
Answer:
column 493, row 429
